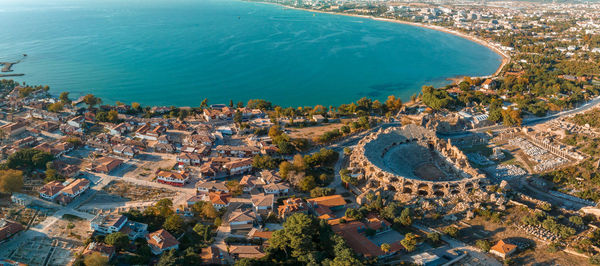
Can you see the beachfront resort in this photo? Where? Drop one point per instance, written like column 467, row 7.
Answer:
column 496, row 170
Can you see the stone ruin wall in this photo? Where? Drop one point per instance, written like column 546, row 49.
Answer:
column 414, row 187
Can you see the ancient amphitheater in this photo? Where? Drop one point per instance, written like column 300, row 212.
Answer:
column 413, row 161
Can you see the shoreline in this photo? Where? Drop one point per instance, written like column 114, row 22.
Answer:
column 505, row 57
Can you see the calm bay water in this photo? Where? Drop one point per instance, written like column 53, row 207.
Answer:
column 179, row 52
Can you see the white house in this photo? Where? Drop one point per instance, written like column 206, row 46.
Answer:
column 118, row 130
column 51, row 190
column 76, row 187
column 239, row 166
column 108, row 224
column 172, row 178
column 161, row 241
column 263, row 203
column 211, row 186
column 76, row 121
column 241, row 219
column 276, row 189
column 189, row 158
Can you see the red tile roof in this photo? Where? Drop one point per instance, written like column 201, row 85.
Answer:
column 503, row 247
column 161, row 240
column 246, row 251
column 328, row 201
column 9, row 228
column 172, row 175
column 76, row 186
column 219, row 197
column 107, row 164
column 52, row 188
column 103, row 249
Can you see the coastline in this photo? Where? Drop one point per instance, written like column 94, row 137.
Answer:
column 505, row 57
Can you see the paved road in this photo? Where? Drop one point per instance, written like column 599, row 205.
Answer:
column 461, row 246
column 536, row 120
column 222, row 233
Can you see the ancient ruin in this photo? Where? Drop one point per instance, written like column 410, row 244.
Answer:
column 413, row 161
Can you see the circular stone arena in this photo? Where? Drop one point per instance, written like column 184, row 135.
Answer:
column 413, row 161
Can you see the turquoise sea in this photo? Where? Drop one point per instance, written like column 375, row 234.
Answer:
column 178, row 52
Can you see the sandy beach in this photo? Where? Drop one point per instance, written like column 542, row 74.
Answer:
column 505, row 57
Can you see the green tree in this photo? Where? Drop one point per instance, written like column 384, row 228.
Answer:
column 135, row 106
column 201, row 229
column 576, row 220
column 307, row 183
column 347, row 178
column 52, row 175
column 91, row 100
column 409, row 242
column 169, row 258
column 353, row 214
column 204, row 209
column 321, row 191
column 495, row 113
column 433, row 237
column 391, row 210
column 40, row 159
column 117, row 239
column 393, row 104
column 190, row 257
column 259, row 104
column 113, row 116
column 174, row 224
column 284, row 144
column 64, row 98
column 436, row 98
column 204, row 103
column 246, row 262
column 296, row 237
column 264, row 162
column 284, row 169
column 385, row 247
column 11, row 181
column 237, row 117
column 56, row 107
column 347, row 151
column 28, row 159
column 483, row 244
column 95, row 259
column 451, row 231
column 275, row 131
column 162, row 208
column 405, row 217
column 234, row 187
column 511, row 117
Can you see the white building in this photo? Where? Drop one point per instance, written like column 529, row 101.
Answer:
column 108, row 224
